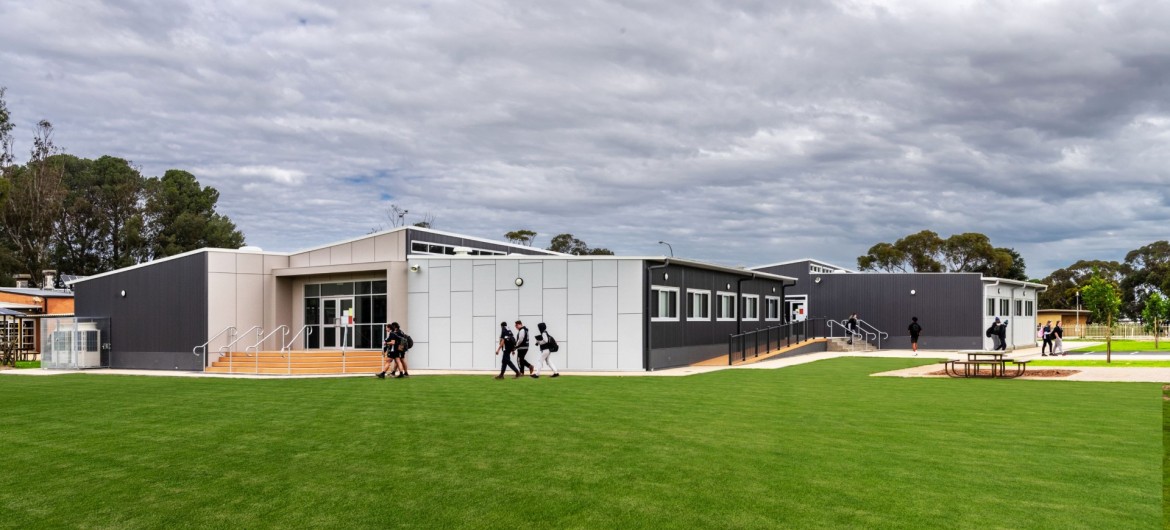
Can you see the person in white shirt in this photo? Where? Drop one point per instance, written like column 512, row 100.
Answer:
column 547, row 344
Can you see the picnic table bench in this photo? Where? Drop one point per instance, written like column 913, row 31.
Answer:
column 995, row 362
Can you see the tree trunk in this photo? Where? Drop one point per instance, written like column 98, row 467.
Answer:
column 1109, row 340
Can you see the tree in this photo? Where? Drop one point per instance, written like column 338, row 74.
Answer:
column 6, row 127
column 1147, row 271
column 521, row 237
column 567, row 244
column 1063, row 284
column 35, row 195
column 181, row 216
column 1156, row 311
column 1103, row 300
column 925, row 251
column 101, row 227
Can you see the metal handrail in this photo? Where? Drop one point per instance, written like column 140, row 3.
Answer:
column 784, row 334
column 855, row 333
column 288, row 347
column 232, row 329
column 839, row 323
column 256, row 347
column 879, row 333
column 228, row 347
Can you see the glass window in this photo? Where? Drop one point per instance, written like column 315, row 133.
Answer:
column 313, row 290
column 378, row 310
column 1030, row 308
column 418, row 247
column 378, row 287
column 699, row 306
column 772, row 308
column 435, row 249
column 1019, row 308
column 990, row 307
column 362, row 313
column 751, row 307
column 664, row 302
column 1004, row 307
column 362, row 288
column 364, row 337
column 313, row 337
column 312, row 311
column 336, row 289
column 726, row 307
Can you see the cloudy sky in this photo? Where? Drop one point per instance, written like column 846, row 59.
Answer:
column 741, row 132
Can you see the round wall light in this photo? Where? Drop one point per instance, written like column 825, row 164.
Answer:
column 729, row 286
column 519, row 282
column 817, row 279
column 913, row 292
column 123, row 293
column 666, row 276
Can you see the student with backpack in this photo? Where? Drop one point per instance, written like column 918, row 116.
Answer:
column 915, row 330
column 397, row 343
column 548, row 345
column 507, row 344
column 522, row 347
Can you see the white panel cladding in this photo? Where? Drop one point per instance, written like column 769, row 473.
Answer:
column 275, row 262
column 249, row 263
column 319, row 257
column 298, row 260
column 341, row 254
column 605, row 273
column 250, row 307
column 461, row 322
column 484, row 346
column 532, row 292
column 221, row 302
column 555, row 274
column 580, row 282
column 418, row 309
column 221, row 262
column 507, row 306
column 605, row 314
column 507, row 270
column 461, row 354
column 605, row 356
column 578, row 346
column 593, row 332
column 363, row 251
column 630, row 278
column 630, row 345
column 440, row 343
column 418, row 282
column 461, row 276
column 484, row 299
column 389, row 247
column 556, row 316
column 419, row 356
column 440, row 291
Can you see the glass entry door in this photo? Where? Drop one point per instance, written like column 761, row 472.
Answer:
column 333, row 318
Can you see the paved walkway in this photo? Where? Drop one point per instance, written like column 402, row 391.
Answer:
column 1086, row 373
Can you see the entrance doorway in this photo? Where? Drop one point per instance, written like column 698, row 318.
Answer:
column 334, row 312
column 796, row 307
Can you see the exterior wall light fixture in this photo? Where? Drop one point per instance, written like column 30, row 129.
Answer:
column 817, row 279
column 519, row 282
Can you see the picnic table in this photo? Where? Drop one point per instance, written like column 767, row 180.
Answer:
column 995, row 363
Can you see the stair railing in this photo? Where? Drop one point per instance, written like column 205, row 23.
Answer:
column 879, row 334
column 227, row 349
column 288, row 347
column 230, row 330
column 256, row 347
column 848, row 333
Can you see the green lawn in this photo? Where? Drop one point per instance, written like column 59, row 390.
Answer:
column 34, row 364
column 1166, row 456
column 1121, row 345
column 1115, row 363
column 822, row 445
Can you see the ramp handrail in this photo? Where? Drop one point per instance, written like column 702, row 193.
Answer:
column 230, row 330
column 772, row 337
column 288, row 347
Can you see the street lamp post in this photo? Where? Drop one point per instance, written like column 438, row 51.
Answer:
column 668, row 246
column 1079, row 315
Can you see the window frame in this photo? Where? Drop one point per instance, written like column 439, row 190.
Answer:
column 744, row 310
column 991, row 306
column 767, row 307
column 1005, row 307
column 654, row 299
column 691, row 305
column 719, row 295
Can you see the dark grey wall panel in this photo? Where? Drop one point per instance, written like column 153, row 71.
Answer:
column 948, row 306
column 708, row 338
column 162, row 316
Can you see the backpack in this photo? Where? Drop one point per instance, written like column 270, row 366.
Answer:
column 552, row 344
column 990, row 331
column 509, row 341
column 407, row 343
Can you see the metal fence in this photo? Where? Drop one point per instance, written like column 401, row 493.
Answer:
column 75, row 343
column 1123, row 330
column 753, row 344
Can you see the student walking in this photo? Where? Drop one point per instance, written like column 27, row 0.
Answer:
column 389, row 361
column 547, row 346
column 394, row 345
column 507, row 345
column 851, row 325
column 522, row 348
column 403, row 344
column 1001, row 332
column 915, row 330
column 1047, row 340
column 1058, row 339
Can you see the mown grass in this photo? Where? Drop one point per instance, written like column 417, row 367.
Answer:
column 1165, row 456
column 822, row 445
column 28, row 364
column 1121, row 345
column 1115, row 363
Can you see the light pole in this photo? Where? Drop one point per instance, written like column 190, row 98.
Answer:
column 1079, row 314
column 402, row 214
column 668, row 246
